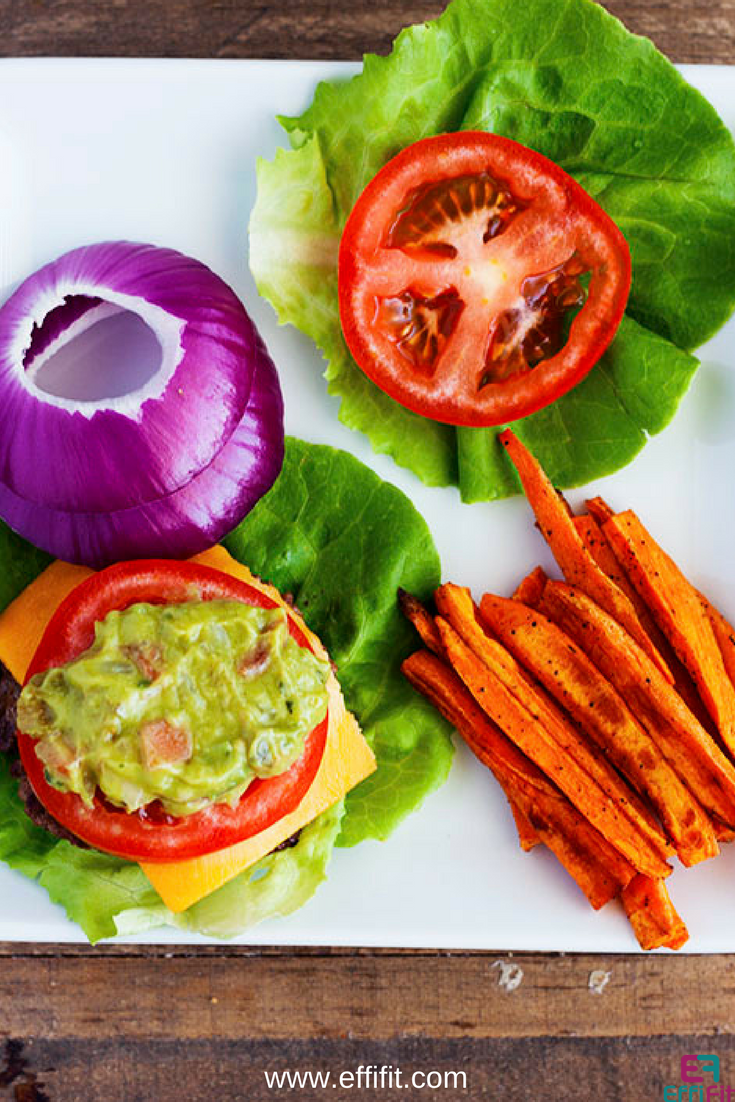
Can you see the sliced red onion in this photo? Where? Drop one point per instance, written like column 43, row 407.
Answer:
column 142, row 415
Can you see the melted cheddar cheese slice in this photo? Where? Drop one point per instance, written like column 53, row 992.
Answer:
column 347, row 757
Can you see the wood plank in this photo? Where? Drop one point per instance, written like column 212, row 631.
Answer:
column 686, row 30
column 567, row 1069
column 229, row 993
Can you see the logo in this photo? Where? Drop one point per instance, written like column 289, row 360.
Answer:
column 700, row 1082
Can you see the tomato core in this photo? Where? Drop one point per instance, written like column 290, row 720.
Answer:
column 520, row 338
column 419, row 327
column 480, row 203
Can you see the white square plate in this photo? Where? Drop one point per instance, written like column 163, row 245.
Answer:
column 164, row 151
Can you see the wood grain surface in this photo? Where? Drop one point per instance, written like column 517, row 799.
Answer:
column 156, row 1025
column 687, row 30
column 117, row 1024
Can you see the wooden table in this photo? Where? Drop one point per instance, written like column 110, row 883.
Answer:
column 121, row 1024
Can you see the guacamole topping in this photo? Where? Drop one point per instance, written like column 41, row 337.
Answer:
column 185, row 704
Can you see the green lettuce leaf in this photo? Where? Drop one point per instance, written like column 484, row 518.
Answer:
column 342, row 541
column 275, row 886
column 568, row 80
column 20, row 563
column 107, row 896
column 572, row 437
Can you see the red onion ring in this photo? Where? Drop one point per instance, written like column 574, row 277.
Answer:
column 164, row 469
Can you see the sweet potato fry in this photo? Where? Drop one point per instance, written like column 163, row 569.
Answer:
column 579, row 687
column 598, row 508
column 677, row 609
column 419, row 615
column 423, row 621
column 457, row 606
column 599, row 870
column 692, row 753
column 528, row 836
column 596, row 542
column 596, row 866
column 531, row 588
column 602, row 552
column 655, row 922
column 575, row 561
column 535, row 725
column 723, row 833
column 724, row 634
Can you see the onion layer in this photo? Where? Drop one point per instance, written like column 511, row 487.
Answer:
column 142, row 415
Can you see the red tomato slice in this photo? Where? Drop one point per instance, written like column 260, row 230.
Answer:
column 459, row 268
column 151, row 834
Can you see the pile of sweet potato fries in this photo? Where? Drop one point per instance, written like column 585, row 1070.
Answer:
column 604, row 705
